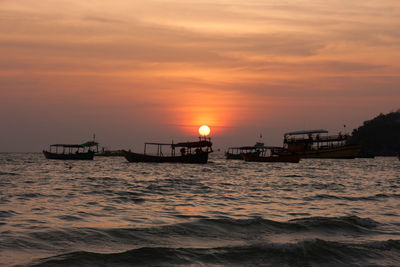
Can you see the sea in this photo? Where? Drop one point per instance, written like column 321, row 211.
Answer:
column 108, row 212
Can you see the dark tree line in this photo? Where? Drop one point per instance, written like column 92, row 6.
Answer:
column 379, row 136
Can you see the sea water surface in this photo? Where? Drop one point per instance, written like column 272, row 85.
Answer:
column 108, row 212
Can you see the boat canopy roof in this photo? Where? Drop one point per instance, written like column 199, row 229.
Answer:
column 255, row 147
column 158, row 144
column 307, row 132
column 87, row 144
column 201, row 143
column 67, row 145
column 244, row 147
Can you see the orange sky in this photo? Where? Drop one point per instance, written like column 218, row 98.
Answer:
column 136, row 71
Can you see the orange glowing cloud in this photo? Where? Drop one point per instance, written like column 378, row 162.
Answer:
column 167, row 67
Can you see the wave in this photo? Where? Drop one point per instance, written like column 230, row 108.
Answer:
column 7, row 213
column 8, row 173
column 304, row 253
column 339, row 223
column 375, row 197
column 311, row 224
column 202, row 231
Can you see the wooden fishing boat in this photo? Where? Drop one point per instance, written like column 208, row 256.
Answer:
column 237, row 152
column 317, row 144
column 273, row 154
column 189, row 152
column 83, row 151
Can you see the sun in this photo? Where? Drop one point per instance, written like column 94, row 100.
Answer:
column 204, row 130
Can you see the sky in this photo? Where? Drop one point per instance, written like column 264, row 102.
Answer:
column 144, row 71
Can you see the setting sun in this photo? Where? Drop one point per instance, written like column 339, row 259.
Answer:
column 204, row 130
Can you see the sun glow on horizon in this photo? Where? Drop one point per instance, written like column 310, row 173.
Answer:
column 204, row 130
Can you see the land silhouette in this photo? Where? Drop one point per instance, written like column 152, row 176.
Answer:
column 379, row 136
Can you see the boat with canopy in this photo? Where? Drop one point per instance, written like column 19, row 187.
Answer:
column 237, row 152
column 272, row 154
column 83, row 151
column 189, row 152
column 318, row 144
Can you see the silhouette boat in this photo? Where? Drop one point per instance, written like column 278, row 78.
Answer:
column 317, row 144
column 272, row 154
column 237, row 152
column 189, row 152
column 83, row 151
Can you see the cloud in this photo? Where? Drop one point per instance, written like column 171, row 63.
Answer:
column 103, row 19
column 178, row 62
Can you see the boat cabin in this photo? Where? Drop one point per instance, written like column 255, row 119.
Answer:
column 83, row 151
column 313, row 140
column 204, row 145
column 89, row 146
column 237, row 152
column 188, row 152
column 273, row 154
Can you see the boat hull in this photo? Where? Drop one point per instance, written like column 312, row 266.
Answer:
column 240, row 156
column 276, row 158
column 78, row 156
column 342, row 152
column 233, row 156
column 200, row 158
